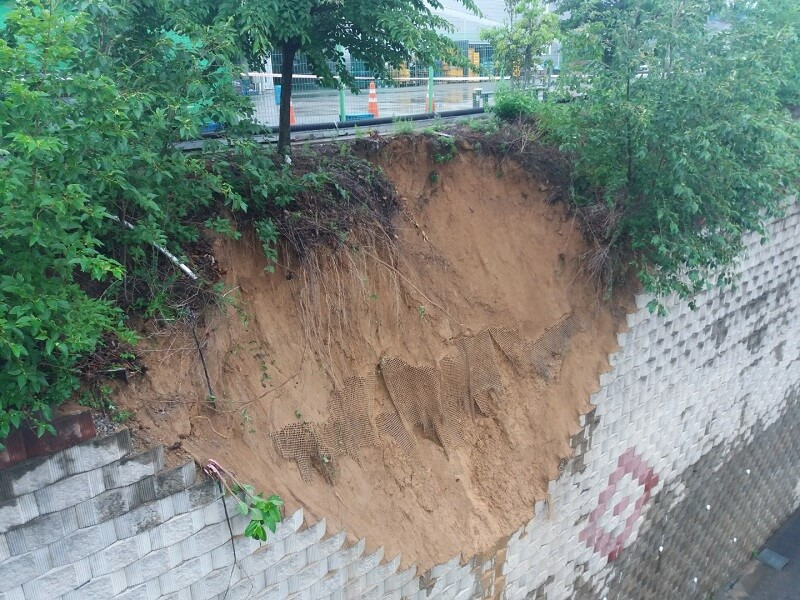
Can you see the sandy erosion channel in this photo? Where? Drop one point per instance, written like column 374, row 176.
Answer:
column 420, row 396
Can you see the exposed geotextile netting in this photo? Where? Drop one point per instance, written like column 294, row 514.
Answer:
column 414, row 392
column 483, row 371
column 349, row 426
column 302, row 443
column 455, row 403
column 539, row 355
column 390, row 423
column 348, row 429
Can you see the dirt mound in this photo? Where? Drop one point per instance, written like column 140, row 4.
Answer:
column 421, row 395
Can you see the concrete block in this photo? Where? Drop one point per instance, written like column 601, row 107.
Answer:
column 331, row 582
column 401, row 579
column 69, row 491
column 355, row 588
column 211, row 537
column 131, row 469
column 37, row 533
column 150, row 567
column 307, row 577
column 345, row 556
column 100, row 451
column 185, row 574
column 326, row 547
column 120, row 554
column 222, row 556
column 17, row 570
column 143, row 518
column 365, row 565
column 175, row 480
column 99, row 588
column 58, row 582
column 305, row 538
column 17, row 511
column 286, row 567
column 382, row 572
column 148, row 591
column 279, row 591
column 216, row 582
column 438, row 571
column 30, row 476
column 81, row 544
column 176, row 529
column 203, row 493
column 289, row 525
column 264, row 557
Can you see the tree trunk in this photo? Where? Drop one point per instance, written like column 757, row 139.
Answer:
column 288, row 51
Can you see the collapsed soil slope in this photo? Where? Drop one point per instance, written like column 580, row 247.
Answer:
column 452, row 368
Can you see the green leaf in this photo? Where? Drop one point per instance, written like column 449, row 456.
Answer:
column 242, row 508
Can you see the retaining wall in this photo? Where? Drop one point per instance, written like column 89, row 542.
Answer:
column 685, row 465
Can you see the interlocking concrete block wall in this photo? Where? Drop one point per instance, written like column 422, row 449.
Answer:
column 687, row 461
column 689, row 395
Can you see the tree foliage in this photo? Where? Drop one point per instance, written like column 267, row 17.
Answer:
column 382, row 34
column 678, row 129
column 93, row 97
column 519, row 43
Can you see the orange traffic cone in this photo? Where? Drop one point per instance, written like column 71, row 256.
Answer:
column 292, row 119
column 372, row 103
column 430, row 104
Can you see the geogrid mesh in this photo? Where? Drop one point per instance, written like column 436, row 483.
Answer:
column 414, row 392
column 302, row 443
column 483, row 371
column 539, row 355
column 455, row 404
column 391, row 424
column 349, row 426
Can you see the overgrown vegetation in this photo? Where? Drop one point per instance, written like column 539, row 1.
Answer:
column 518, row 44
column 678, row 131
column 95, row 195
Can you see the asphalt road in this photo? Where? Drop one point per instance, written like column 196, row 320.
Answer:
column 760, row 582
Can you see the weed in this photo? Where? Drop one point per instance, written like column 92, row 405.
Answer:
column 100, row 400
column 298, row 414
column 264, row 513
column 403, row 126
column 421, row 311
column 373, row 296
column 247, row 421
column 444, row 149
column 433, row 177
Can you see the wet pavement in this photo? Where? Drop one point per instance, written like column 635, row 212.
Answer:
column 760, row 582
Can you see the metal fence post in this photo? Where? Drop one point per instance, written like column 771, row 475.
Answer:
column 477, row 95
column 342, row 110
column 430, row 105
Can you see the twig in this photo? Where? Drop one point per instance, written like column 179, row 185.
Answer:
column 211, row 395
column 161, row 249
column 225, row 437
column 432, row 303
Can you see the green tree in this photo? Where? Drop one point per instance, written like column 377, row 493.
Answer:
column 680, row 138
column 93, row 97
column 383, row 34
column 519, row 43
